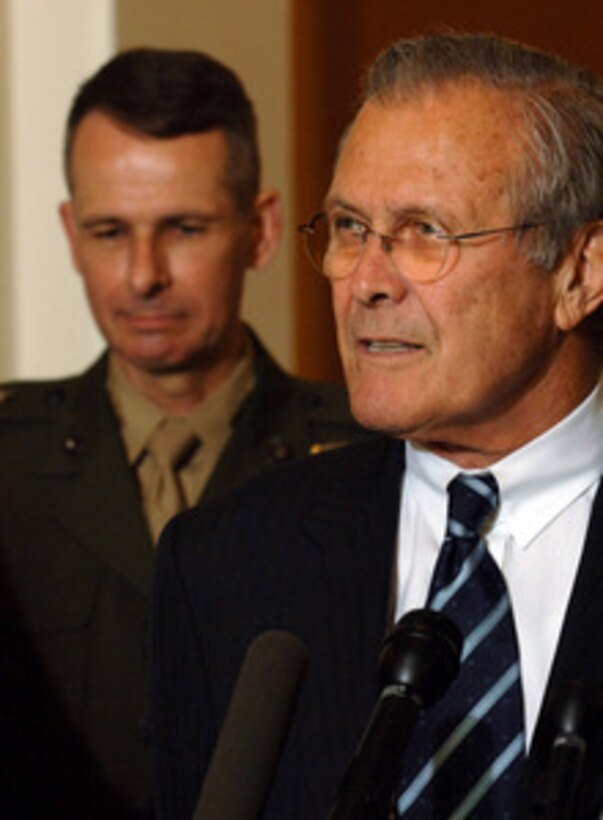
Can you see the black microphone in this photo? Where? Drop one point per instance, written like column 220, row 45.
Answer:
column 419, row 659
column 254, row 730
column 575, row 711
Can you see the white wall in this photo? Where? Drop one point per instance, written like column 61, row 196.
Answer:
column 47, row 47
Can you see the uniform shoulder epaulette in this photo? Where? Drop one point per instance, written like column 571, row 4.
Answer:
column 31, row 399
column 6, row 394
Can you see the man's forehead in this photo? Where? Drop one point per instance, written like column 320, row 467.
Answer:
column 102, row 140
column 118, row 171
column 464, row 107
column 465, row 129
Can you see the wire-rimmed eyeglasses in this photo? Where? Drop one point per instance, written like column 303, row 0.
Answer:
column 420, row 250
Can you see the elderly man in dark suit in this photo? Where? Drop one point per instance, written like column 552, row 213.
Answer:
column 165, row 216
column 463, row 238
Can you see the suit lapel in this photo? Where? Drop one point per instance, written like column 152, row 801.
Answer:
column 354, row 521
column 582, row 634
column 88, row 488
column 579, row 654
column 348, row 532
column 256, row 440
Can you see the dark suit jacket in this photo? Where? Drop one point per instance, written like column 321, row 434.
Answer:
column 75, row 569
column 309, row 550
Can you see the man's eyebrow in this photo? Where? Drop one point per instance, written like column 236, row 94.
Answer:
column 394, row 213
column 337, row 202
column 199, row 216
column 96, row 221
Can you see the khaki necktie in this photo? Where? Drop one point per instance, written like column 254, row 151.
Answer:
column 170, row 447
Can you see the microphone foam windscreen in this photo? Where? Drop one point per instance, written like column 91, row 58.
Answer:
column 255, row 729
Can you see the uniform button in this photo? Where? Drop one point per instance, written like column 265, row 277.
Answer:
column 142, row 729
column 56, row 397
column 280, row 450
column 72, row 444
column 312, row 400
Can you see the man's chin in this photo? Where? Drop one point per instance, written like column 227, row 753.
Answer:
column 170, row 363
column 374, row 410
column 164, row 368
column 378, row 419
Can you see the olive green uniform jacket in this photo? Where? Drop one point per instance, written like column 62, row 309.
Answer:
column 75, row 571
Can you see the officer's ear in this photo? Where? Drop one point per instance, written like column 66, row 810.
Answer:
column 67, row 218
column 267, row 221
column 580, row 279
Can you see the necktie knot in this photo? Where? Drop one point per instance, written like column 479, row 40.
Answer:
column 172, row 444
column 170, row 448
column 472, row 499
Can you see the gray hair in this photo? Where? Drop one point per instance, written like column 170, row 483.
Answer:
column 560, row 179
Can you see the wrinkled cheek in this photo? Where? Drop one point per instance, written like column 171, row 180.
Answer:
column 344, row 339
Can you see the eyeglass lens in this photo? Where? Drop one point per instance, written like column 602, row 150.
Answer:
column 335, row 247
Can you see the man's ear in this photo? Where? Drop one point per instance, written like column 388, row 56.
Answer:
column 68, row 221
column 268, row 218
column 581, row 279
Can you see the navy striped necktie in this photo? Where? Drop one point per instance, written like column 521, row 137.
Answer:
column 468, row 750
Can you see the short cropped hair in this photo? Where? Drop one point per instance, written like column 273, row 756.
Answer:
column 164, row 93
column 560, row 178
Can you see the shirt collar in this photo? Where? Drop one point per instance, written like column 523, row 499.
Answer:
column 539, row 480
column 138, row 417
column 210, row 420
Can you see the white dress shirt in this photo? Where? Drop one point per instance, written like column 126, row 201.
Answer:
column 547, row 488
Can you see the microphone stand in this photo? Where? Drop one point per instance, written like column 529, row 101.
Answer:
column 419, row 659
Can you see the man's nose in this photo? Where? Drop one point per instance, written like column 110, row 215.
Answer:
column 375, row 276
column 148, row 271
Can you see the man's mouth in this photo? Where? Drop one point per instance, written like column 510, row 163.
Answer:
column 388, row 346
column 150, row 320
